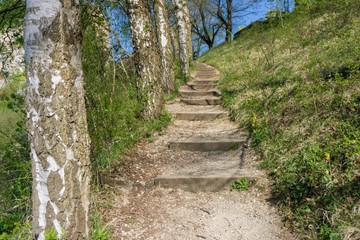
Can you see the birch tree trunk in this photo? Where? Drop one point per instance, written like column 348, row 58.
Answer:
column 174, row 42
column 56, row 119
column 188, row 29
column 164, row 38
column 184, row 29
column 147, row 59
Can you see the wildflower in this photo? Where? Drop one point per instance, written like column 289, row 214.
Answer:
column 327, row 156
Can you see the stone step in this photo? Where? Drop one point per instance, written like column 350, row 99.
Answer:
column 206, row 145
column 201, row 87
column 192, row 93
column 215, row 181
column 185, row 111
column 207, row 78
column 203, row 82
column 198, row 116
column 207, row 73
column 202, row 101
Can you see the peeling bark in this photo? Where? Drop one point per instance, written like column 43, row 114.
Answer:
column 164, row 39
column 147, row 59
column 56, row 119
column 184, row 29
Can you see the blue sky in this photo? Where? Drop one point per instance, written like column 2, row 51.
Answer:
column 256, row 12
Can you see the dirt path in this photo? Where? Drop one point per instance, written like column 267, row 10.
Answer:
column 134, row 208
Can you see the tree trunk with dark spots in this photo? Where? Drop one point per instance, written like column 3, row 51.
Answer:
column 56, row 119
column 184, row 29
column 147, row 59
column 164, row 42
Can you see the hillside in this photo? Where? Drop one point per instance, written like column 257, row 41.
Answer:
column 295, row 83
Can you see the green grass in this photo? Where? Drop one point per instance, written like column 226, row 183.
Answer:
column 15, row 167
column 295, row 85
column 8, row 115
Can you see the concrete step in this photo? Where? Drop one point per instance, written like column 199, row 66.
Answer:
column 184, row 111
column 203, row 82
column 206, row 145
column 207, row 78
column 198, row 116
column 213, row 181
column 201, row 87
column 192, row 93
column 207, row 72
column 202, row 101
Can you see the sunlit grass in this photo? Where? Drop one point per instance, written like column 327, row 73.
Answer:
column 301, row 81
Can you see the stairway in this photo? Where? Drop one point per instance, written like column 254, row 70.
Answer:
column 216, row 144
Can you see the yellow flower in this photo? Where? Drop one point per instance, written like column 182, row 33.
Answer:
column 253, row 120
column 327, row 156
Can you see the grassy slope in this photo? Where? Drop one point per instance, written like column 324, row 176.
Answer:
column 296, row 86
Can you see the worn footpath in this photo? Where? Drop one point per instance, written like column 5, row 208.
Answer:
column 177, row 186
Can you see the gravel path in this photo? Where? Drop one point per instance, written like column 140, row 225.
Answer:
column 134, row 208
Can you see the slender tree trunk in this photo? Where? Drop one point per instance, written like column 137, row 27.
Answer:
column 163, row 32
column 175, row 43
column 184, row 29
column 229, row 24
column 188, row 30
column 147, row 59
column 56, row 119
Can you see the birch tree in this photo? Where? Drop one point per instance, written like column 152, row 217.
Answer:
column 184, row 29
column 188, row 29
column 174, row 43
column 147, row 58
column 164, row 41
column 56, row 119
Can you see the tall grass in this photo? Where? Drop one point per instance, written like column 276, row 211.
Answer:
column 15, row 165
column 296, row 87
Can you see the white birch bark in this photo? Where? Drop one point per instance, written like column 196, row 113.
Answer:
column 163, row 32
column 188, row 29
column 183, row 22
column 147, row 59
column 56, row 119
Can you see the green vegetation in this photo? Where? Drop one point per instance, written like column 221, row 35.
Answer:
column 294, row 83
column 113, row 114
column 242, row 184
column 114, row 125
column 15, row 166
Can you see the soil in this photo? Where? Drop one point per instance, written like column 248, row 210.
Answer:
column 134, row 208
